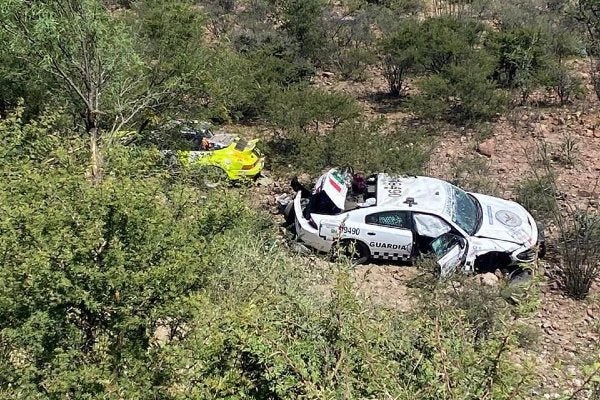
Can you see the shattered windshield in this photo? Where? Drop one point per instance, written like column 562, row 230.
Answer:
column 466, row 213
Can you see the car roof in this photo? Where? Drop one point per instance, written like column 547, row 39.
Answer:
column 414, row 193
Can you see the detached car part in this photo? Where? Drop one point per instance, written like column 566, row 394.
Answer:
column 236, row 157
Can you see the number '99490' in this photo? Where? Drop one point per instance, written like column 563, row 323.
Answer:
column 349, row 230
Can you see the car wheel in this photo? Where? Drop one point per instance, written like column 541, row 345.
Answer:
column 354, row 250
column 212, row 176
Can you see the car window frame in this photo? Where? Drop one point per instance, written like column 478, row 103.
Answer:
column 449, row 248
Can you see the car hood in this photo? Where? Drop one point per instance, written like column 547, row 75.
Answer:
column 505, row 220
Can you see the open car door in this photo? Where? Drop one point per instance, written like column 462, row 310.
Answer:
column 450, row 251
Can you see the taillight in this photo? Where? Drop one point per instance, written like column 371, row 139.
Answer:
column 247, row 167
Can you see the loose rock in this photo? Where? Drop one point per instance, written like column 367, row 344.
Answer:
column 488, row 279
column 487, row 147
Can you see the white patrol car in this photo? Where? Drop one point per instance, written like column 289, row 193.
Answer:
column 400, row 217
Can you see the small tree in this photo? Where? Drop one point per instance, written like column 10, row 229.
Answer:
column 90, row 53
column 399, row 54
column 520, row 55
column 303, row 20
column 565, row 84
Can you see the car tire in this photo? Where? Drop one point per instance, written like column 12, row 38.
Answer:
column 354, row 250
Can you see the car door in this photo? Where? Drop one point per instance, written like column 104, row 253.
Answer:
column 450, row 251
column 427, row 227
column 388, row 234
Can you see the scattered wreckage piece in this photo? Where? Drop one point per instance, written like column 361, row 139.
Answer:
column 218, row 153
column 390, row 217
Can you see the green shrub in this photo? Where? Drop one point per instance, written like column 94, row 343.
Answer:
column 445, row 41
column 350, row 42
column 273, row 55
column 90, row 270
column 569, row 150
column 520, row 53
column 538, row 195
column 297, row 334
column 304, row 21
column 432, row 46
column 565, row 84
column 400, row 51
column 579, row 248
column 353, row 62
column 463, row 94
column 307, row 109
column 355, row 143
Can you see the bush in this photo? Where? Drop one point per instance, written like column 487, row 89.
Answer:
column 564, row 83
column 90, row 270
column 579, row 248
column 232, row 89
column 353, row 62
column 272, row 333
column 399, row 56
column 538, row 195
column 432, row 46
column 463, row 94
column 446, row 41
column 307, row 109
column 568, row 150
column 304, row 21
column 273, row 55
column 355, row 143
column 350, row 41
column 521, row 54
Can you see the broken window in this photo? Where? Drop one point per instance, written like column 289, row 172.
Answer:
column 393, row 219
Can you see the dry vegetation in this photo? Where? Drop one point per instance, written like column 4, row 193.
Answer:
column 121, row 278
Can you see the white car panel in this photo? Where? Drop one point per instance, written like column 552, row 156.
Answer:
column 389, row 243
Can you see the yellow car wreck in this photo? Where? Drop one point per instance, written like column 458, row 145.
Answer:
column 237, row 158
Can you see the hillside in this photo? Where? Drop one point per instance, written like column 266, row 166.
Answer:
column 134, row 267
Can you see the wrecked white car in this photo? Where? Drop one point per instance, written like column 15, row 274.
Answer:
column 401, row 217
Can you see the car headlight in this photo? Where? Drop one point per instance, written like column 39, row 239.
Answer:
column 527, row 255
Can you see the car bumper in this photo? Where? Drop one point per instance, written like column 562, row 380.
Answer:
column 534, row 249
column 307, row 233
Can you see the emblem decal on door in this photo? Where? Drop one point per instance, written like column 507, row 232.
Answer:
column 508, row 218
